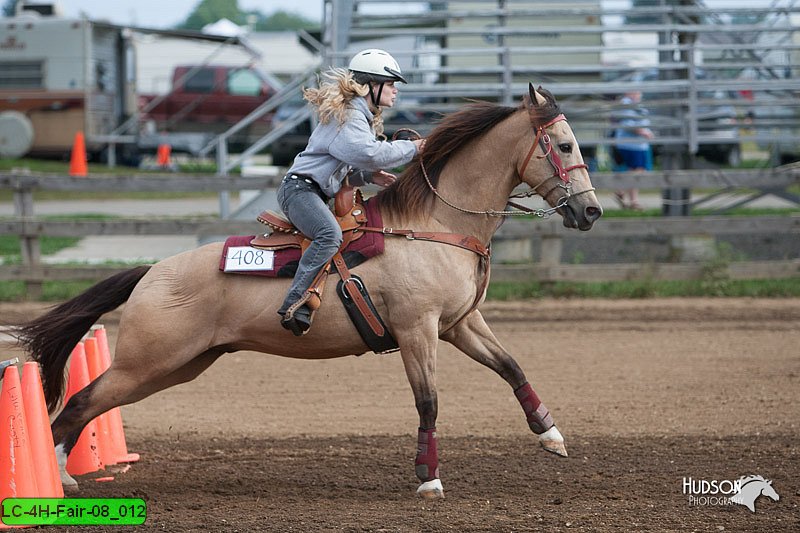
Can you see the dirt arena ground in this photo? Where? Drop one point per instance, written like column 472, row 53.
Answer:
column 646, row 393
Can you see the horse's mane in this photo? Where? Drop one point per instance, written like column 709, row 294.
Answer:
column 744, row 480
column 410, row 196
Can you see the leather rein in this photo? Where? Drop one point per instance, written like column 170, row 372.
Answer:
column 471, row 243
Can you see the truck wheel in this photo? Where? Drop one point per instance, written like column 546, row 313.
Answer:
column 16, row 134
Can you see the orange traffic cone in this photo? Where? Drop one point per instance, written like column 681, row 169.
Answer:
column 16, row 462
column 77, row 162
column 115, row 428
column 48, row 480
column 84, row 457
column 163, row 155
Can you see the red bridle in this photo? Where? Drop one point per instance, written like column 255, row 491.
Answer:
column 543, row 139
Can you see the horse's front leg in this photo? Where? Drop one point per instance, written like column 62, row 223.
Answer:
column 473, row 337
column 418, row 350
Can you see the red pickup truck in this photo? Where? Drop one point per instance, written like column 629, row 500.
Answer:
column 210, row 99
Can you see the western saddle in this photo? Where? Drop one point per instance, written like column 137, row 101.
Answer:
column 350, row 211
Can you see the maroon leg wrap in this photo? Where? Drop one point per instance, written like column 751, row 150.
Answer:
column 539, row 419
column 426, row 464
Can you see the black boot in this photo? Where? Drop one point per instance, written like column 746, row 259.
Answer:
column 298, row 323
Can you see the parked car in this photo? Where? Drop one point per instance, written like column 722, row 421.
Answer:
column 286, row 148
column 210, row 99
column 719, row 121
column 777, row 116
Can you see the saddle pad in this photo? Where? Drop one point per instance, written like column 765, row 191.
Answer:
column 238, row 257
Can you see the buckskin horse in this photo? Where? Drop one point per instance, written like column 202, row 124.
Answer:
column 182, row 313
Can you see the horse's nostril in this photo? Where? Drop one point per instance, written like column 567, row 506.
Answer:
column 592, row 213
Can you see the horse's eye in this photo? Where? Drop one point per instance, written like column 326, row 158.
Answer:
column 565, row 148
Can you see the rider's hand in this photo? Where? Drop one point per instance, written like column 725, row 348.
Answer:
column 647, row 133
column 383, row 178
column 420, row 144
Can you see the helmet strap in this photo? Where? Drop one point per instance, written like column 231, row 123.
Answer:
column 376, row 98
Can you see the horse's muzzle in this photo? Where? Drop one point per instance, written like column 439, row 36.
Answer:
column 580, row 217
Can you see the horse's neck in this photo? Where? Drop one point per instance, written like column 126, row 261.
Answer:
column 750, row 490
column 752, row 487
column 480, row 177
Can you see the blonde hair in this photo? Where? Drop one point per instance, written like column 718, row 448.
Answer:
column 336, row 90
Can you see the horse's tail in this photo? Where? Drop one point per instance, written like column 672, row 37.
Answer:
column 50, row 338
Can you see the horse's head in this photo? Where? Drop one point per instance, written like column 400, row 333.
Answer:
column 553, row 166
column 768, row 491
column 765, row 487
column 750, row 488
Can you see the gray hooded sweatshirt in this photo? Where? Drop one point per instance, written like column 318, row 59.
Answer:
column 334, row 149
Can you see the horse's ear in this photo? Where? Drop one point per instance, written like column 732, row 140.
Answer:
column 547, row 95
column 532, row 95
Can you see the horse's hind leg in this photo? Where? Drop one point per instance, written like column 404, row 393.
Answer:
column 473, row 337
column 113, row 388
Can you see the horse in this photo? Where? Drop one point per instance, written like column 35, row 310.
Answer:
column 182, row 313
column 751, row 487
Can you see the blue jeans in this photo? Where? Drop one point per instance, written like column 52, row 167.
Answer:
column 306, row 207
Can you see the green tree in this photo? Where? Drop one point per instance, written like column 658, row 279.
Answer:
column 9, row 7
column 210, row 11
column 283, row 20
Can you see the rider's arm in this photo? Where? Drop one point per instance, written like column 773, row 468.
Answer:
column 356, row 145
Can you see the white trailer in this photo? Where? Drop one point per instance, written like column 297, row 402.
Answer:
column 59, row 76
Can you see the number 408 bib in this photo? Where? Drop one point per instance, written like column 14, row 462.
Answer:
column 245, row 258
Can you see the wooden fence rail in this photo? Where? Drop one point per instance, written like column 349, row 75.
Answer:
column 512, row 229
column 772, row 178
column 551, row 233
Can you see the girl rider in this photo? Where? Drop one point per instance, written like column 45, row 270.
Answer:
column 347, row 142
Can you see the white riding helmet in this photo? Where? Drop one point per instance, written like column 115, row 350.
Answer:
column 375, row 65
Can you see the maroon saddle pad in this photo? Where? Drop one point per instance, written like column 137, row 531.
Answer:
column 238, row 257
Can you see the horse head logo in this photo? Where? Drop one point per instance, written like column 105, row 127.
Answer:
column 751, row 487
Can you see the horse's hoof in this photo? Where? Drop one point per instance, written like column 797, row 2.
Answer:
column 431, row 490
column 68, row 482
column 69, row 485
column 553, row 442
column 120, row 468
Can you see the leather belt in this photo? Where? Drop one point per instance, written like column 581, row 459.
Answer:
column 307, row 179
column 301, row 177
